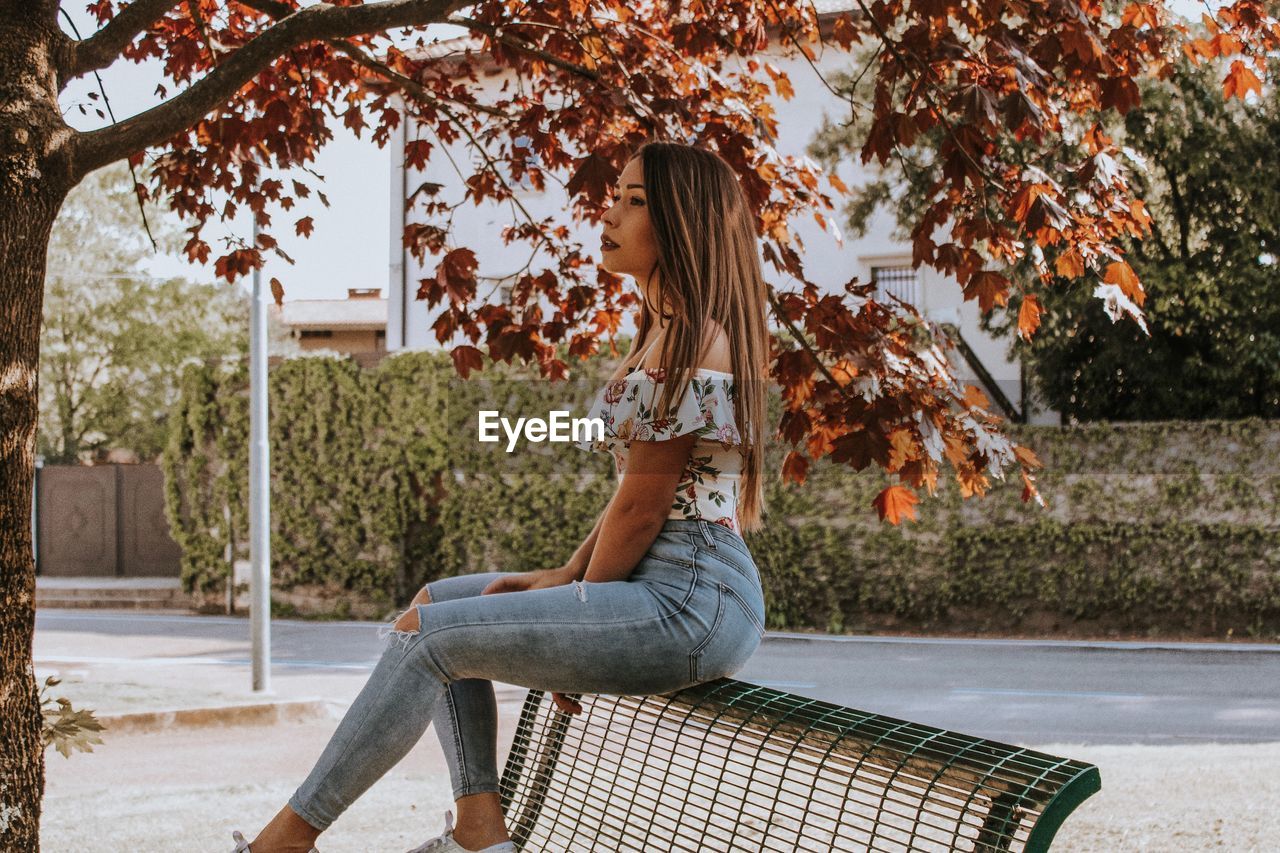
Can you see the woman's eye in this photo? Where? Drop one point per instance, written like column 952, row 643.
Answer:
column 637, row 201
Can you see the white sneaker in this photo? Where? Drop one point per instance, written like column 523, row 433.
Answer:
column 445, row 843
column 242, row 846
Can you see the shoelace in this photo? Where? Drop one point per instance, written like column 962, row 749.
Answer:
column 242, row 846
column 440, row 841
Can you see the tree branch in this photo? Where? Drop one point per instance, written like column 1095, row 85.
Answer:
column 1180, row 213
column 549, row 58
column 279, row 11
column 97, row 148
column 104, row 47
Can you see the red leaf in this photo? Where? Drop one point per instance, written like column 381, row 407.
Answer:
column 467, row 359
column 795, row 468
column 989, row 288
column 593, row 178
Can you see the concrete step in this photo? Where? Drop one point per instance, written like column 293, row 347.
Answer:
column 121, row 593
column 51, row 603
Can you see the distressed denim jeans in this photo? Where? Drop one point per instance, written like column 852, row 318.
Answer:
column 692, row 610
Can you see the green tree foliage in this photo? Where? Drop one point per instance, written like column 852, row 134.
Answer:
column 115, row 339
column 1209, row 268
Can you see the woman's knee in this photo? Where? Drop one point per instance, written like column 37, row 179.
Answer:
column 408, row 620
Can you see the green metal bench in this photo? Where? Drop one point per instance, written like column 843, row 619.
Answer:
column 732, row 766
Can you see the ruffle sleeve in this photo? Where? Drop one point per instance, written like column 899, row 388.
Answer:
column 628, row 409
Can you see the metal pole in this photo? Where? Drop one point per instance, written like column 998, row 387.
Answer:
column 259, row 488
column 35, row 514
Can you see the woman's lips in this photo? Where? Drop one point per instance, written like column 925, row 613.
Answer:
column 607, row 245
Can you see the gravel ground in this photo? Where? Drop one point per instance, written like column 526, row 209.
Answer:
column 1176, row 798
column 186, row 789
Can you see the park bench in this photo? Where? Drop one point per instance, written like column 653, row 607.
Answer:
column 733, row 766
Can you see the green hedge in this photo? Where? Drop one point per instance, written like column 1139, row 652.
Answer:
column 379, row 485
column 356, row 463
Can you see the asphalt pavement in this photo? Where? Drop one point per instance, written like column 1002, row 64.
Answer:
column 1017, row 691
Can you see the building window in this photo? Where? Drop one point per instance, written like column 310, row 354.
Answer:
column 899, row 281
column 317, row 333
column 532, row 159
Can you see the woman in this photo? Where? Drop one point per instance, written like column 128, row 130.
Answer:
column 663, row 593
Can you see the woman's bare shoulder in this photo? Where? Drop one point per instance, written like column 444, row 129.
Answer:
column 716, row 354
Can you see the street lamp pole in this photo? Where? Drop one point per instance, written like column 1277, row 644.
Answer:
column 259, row 487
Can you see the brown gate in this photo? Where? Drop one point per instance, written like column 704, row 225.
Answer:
column 103, row 521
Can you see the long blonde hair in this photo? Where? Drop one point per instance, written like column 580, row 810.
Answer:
column 708, row 269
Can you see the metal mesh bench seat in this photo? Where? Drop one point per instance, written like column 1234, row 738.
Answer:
column 732, row 766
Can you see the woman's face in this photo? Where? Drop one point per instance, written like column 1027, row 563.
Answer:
column 626, row 225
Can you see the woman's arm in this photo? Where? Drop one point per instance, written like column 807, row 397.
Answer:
column 639, row 508
column 577, row 564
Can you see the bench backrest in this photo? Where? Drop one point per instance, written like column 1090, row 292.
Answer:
column 733, row 766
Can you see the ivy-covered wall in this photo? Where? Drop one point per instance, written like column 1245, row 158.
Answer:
column 356, row 462
column 379, row 485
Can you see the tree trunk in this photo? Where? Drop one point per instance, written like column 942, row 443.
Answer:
column 24, row 232
column 34, row 179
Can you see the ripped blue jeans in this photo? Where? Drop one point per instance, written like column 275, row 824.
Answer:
column 692, row 610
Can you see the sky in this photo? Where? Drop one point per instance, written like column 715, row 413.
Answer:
column 350, row 245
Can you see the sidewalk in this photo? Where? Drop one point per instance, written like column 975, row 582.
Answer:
column 184, row 784
column 169, row 783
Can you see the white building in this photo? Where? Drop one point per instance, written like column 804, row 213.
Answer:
column 876, row 256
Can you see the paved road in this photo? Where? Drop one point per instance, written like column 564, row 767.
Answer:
column 1018, row 691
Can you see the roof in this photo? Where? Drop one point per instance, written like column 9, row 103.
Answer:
column 334, row 314
column 459, row 46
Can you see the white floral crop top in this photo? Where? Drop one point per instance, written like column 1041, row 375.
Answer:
column 708, row 488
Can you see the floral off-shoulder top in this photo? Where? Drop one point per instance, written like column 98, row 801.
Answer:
column 708, row 487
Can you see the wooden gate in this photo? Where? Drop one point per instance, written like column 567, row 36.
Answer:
column 103, row 521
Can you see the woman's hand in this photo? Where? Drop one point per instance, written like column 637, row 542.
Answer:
column 539, row 579
column 536, row 579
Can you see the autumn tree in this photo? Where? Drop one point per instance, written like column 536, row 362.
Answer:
column 254, row 84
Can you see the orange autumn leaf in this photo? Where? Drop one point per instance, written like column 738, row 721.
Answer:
column 1070, row 264
column 1240, row 81
column 1122, row 275
column 844, row 372
column 1029, row 316
column 902, row 448
column 971, row 481
column 1027, row 456
column 896, row 503
column 975, row 399
column 1138, row 14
